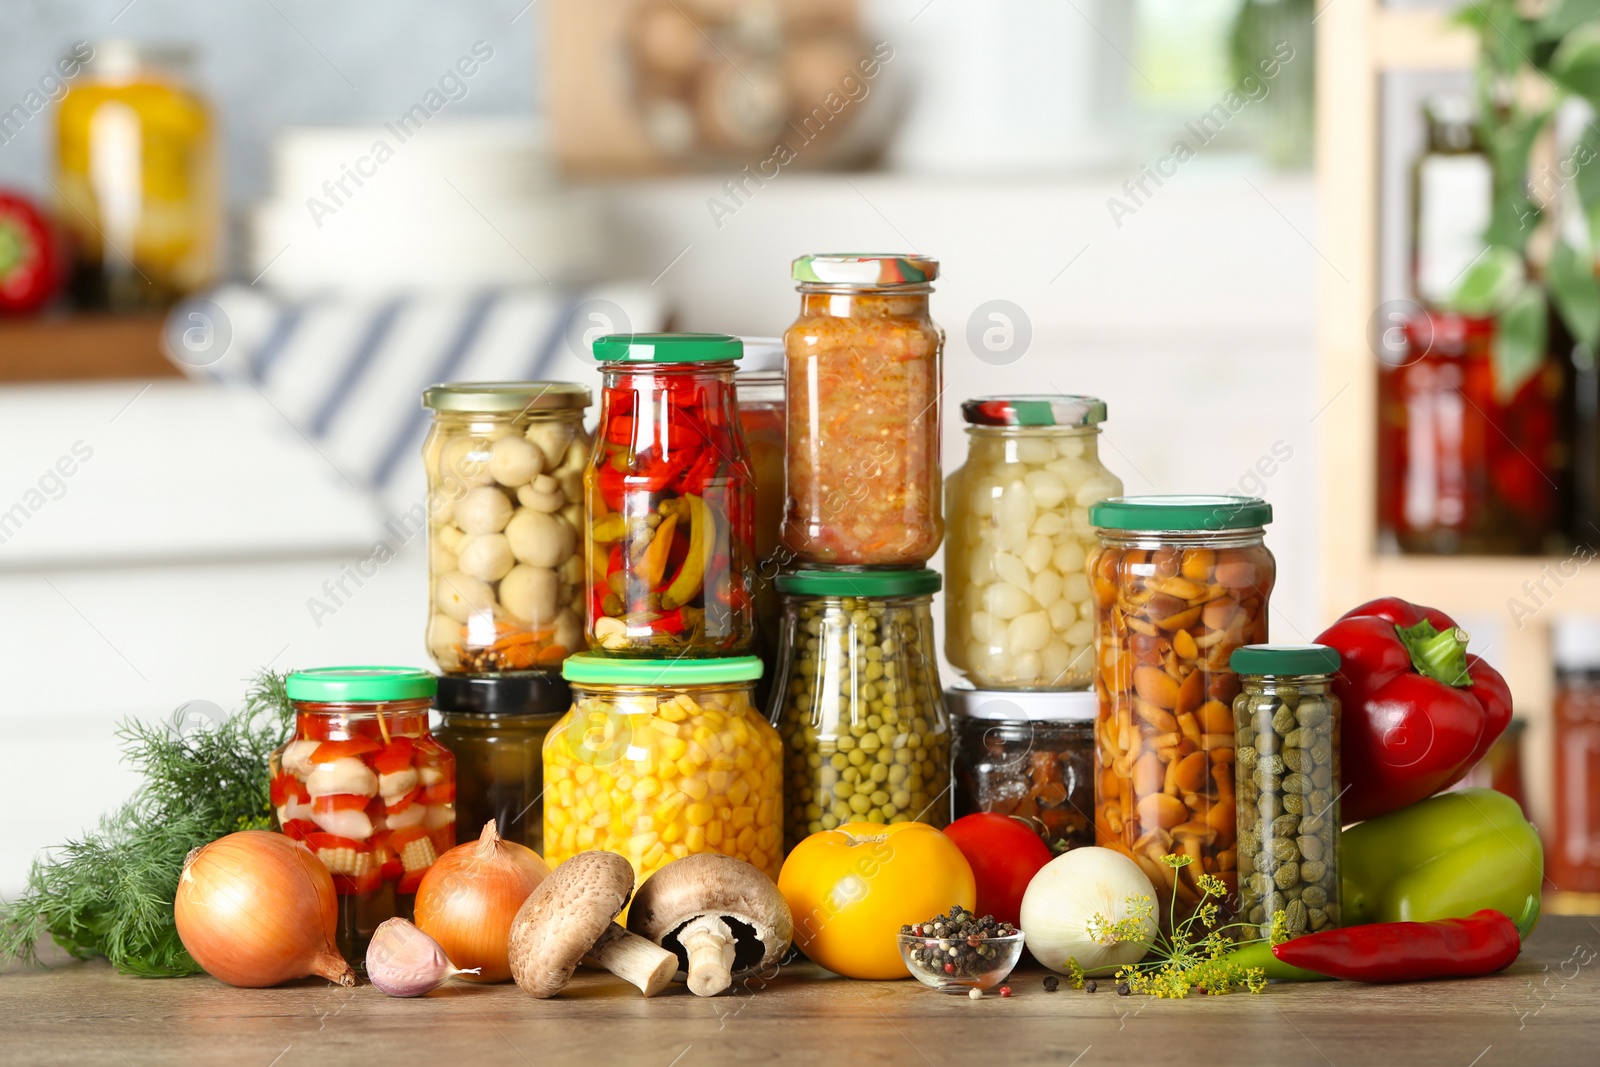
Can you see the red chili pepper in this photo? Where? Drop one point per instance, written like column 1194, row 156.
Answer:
column 1418, row 712
column 1482, row 943
column 30, row 271
column 696, row 475
column 668, row 622
column 396, row 756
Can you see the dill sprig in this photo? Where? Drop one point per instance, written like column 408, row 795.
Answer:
column 1194, row 957
column 109, row 893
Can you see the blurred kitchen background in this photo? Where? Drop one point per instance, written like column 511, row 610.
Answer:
column 237, row 240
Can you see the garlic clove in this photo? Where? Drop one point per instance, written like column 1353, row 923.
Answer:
column 402, row 961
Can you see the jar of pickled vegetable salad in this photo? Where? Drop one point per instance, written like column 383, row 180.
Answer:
column 669, row 501
column 863, row 370
column 1019, row 613
column 366, row 787
column 660, row 759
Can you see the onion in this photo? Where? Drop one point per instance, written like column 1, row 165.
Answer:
column 257, row 909
column 470, row 896
column 1067, row 892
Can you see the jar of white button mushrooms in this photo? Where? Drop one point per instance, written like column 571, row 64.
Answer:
column 1018, row 609
column 505, row 467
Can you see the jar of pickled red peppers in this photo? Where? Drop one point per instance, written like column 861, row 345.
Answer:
column 367, row 788
column 1179, row 582
column 1018, row 609
column 661, row 759
column 669, row 506
column 505, row 465
column 863, row 370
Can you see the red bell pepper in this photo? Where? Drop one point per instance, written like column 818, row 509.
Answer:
column 30, row 270
column 1418, row 712
column 285, row 787
column 396, row 756
column 328, row 751
column 1483, row 943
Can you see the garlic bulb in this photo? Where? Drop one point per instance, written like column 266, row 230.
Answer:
column 402, row 961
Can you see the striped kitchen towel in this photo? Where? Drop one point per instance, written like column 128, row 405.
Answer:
column 348, row 371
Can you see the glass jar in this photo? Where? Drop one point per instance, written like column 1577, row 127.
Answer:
column 1287, row 721
column 761, row 418
column 505, row 467
column 365, row 786
column 858, row 701
column 1573, row 847
column 137, row 182
column 1018, row 613
column 1468, row 463
column 670, row 504
column 495, row 724
column 660, row 759
column 864, row 373
column 1179, row 583
column 1028, row 755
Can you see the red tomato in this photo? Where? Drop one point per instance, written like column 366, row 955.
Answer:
column 1005, row 855
column 30, row 271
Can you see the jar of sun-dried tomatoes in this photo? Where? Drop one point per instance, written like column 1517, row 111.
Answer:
column 669, row 501
column 863, row 369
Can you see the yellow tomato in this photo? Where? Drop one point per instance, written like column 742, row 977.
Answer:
column 852, row 889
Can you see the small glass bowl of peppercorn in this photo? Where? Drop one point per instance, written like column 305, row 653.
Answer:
column 959, row 952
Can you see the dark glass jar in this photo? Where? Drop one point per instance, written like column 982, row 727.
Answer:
column 761, row 417
column 1029, row 755
column 367, row 788
column 1468, row 463
column 1573, row 847
column 495, row 725
column 669, row 503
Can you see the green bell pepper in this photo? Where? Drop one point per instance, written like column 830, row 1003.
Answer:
column 1441, row 858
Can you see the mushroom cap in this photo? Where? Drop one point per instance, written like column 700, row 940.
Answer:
column 709, row 883
column 564, row 916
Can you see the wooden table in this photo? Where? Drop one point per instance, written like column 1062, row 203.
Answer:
column 1544, row 1010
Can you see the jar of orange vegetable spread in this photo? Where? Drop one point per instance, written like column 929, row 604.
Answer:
column 659, row 759
column 367, row 788
column 1179, row 583
column 505, row 502
column 669, row 504
column 863, row 367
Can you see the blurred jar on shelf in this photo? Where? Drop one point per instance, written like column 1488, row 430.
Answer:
column 760, row 397
column 1572, row 850
column 138, row 186
column 1470, row 452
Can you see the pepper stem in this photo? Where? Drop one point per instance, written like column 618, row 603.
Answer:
column 1440, row 656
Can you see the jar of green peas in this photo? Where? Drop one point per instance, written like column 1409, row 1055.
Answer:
column 858, row 701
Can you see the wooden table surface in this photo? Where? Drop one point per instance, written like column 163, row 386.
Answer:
column 1544, row 1010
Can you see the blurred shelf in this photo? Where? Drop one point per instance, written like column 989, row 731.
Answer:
column 1483, row 584
column 1420, row 40
column 83, row 348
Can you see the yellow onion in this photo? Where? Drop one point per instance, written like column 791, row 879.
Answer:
column 469, row 897
column 257, row 909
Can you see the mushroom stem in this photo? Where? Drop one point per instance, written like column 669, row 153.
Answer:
column 634, row 959
column 710, row 945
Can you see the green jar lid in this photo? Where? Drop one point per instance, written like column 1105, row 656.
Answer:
column 667, row 348
column 1284, row 660
column 494, row 398
column 1038, row 410
column 659, row 673
column 865, row 269
column 1179, row 512
column 343, row 685
column 859, row 583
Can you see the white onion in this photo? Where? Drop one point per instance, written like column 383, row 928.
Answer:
column 1071, row 889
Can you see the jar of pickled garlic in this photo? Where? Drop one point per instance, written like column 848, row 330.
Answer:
column 858, row 703
column 1180, row 582
column 505, row 467
column 1018, row 612
column 670, row 501
column 137, row 182
column 864, row 373
column 367, row 788
column 659, row 759
column 761, row 419
column 495, row 725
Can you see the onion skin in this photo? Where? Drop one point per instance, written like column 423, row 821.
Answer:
column 469, row 898
column 256, row 909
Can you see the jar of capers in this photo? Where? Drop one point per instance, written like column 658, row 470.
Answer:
column 1287, row 723
column 858, row 701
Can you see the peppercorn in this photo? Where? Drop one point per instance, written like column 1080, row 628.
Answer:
column 1051, row 983
column 1122, row 989
column 1005, row 991
column 975, row 993
column 1090, row 986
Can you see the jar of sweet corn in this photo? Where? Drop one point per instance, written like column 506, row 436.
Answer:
column 659, row 759
column 858, row 703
